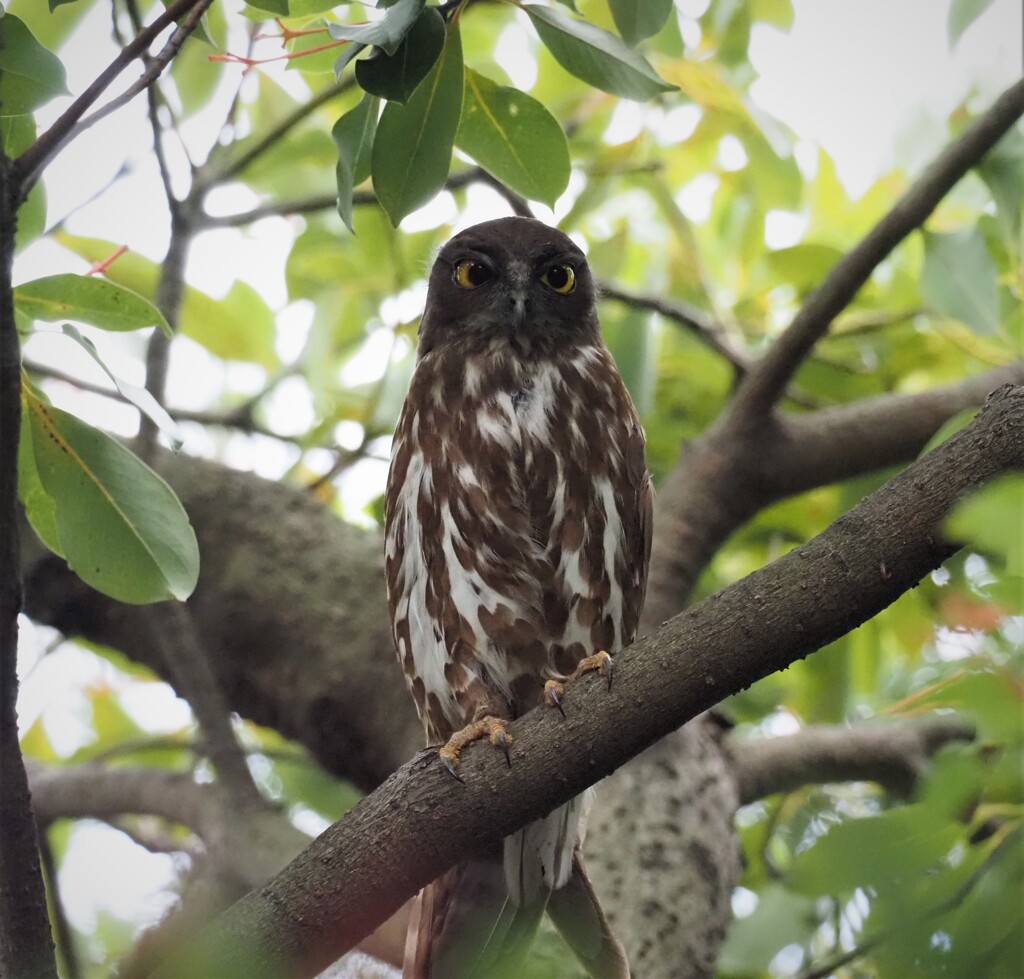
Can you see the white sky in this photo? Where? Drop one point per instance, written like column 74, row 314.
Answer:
column 870, row 81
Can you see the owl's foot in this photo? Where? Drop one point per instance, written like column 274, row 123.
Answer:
column 554, row 690
column 598, row 663
column 492, row 728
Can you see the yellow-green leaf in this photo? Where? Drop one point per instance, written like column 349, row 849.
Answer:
column 87, row 299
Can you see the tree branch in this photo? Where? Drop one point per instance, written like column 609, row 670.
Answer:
column 26, row 949
column 727, row 475
column 893, row 753
column 31, row 163
column 417, row 824
column 766, row 382
column 689, row 317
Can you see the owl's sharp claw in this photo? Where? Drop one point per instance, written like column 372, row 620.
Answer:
column 450, row 767
column 553, row 693
column 502, row 739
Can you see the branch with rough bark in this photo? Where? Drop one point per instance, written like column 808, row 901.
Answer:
column 418, row 824
column 894, row 754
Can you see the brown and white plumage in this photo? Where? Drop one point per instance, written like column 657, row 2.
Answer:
column 518, row 537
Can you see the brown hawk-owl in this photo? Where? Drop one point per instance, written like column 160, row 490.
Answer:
column 518, row 522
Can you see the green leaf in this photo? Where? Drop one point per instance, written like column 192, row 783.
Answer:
column 29, row 74
column 353, row 133
column 138, row 396
column 513, row 137
column 87, row 299
column 963, row 13
column 386, row 33
column 17, row 134
column 39, row 506
column 238, row 327
column 895, row 847
column 1001, row 169
column 637, row 19
column 802, row 266
column 987, row 518
column 959, row 279
column 413, row 147
column 597, row 57
column 395, row 77
column 120, row 526
column 54, row 4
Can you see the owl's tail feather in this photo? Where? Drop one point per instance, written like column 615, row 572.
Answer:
column 463, row 925
column 577, row 914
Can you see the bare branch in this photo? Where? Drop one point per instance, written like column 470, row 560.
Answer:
column 211, row 175
column 417, row 824
column 31, row 163
column 689, row 317
column 26, row 948
column 177, row 639
column 765, row 384
column 893, row 753
column 727, row 475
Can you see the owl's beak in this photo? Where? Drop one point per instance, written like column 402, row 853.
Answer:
column 518, row 289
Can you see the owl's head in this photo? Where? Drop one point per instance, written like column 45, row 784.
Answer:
column 512, row 279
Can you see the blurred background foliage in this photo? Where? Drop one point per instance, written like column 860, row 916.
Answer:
column 700, row 198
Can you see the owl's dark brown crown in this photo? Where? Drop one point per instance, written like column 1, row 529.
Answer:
column 513, row 281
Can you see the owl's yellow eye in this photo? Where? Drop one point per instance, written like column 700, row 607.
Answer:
column 470, row 274
column 561, row 278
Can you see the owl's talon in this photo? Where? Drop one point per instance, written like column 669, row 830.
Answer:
column 553, row 693
column 450, row 767
column 600, row 662
column 492, row 728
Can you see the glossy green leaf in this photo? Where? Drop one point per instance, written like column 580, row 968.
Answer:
column 637, row 19
column 594, row 55
column 39, row 506
column 120, row 526
column 963, row 13
column 413, row 146
column 386, row 33
column 395, row 77
column 240, row 326
column 133, row 393
column 987, row 518
column 88, row 299
column 353, row 133
column 29, row 74
column 513, row 137
column 959, row 279
column 17, row 134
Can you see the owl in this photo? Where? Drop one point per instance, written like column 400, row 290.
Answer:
column 518, row 537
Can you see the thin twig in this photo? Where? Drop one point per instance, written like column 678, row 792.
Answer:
column 689, row 317
column 766, row 382
column 211, row 175
column 63, row 933
column 31, row 163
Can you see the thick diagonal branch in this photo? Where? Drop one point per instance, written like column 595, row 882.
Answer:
column 418, row 824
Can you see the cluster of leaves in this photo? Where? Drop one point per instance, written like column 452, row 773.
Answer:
column 434, row 102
